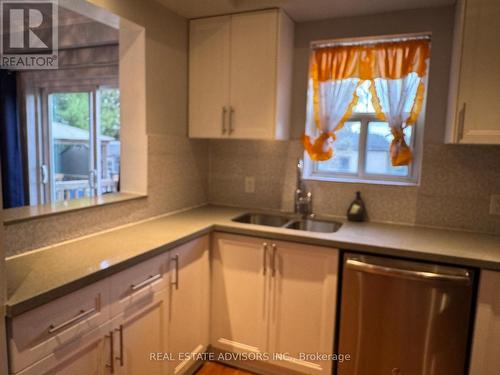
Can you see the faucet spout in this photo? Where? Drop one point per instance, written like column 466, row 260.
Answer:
column 303, row 198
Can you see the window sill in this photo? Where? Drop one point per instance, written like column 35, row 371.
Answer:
column 20, row 214
column 360, row 181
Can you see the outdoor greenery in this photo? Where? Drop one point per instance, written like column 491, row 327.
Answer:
column 74, row 109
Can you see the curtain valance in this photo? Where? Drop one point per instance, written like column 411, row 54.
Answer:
column 396, row 70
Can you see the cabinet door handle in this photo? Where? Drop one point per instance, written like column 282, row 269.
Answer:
column 120, row 358
column 111, row 363
column 224, row 112
column 144, row 283
column 231, row 113
column 176, row 279
column 273, row 264
column 82, row 314
column 264, row 260
column 461, row 122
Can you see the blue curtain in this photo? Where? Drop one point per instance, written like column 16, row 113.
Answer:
column 11, row 152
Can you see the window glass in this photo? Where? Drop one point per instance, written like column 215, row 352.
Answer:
column 70, row 131
column 378, row 142
column 345, row 158
column 110, row 139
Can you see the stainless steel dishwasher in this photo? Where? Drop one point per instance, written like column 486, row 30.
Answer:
column 403, row 318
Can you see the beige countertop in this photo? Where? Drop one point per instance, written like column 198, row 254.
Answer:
column 41, row 276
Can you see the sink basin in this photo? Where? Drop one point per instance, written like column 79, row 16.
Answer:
column 262, row 219
column 311, row 225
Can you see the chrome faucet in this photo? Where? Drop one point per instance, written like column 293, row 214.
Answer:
column 303, row 198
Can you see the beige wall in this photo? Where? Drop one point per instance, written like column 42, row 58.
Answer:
column 456, row 181
column 177, row 166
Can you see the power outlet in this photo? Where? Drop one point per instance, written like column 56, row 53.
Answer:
column 495, row 204
column 250, row 184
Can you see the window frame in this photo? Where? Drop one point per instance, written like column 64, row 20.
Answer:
column 46, row 191
column 311, row 172
column 413, row 177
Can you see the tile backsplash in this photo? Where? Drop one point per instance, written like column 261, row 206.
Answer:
column 177, row 179
column 454, row 192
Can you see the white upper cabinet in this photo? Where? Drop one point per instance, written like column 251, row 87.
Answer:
column 473, row 117
column 240, row 70
column 209, row 77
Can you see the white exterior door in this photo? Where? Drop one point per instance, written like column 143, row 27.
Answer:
column 189, row 303
column 239, row 293
column 209, row 77
column 303, row 305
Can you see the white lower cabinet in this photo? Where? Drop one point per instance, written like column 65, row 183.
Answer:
column 485, row 358
column 153, row 309
column 189, row 304
column 139, row 334
column 274, row 298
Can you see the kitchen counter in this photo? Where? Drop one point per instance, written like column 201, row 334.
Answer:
column 41, row 276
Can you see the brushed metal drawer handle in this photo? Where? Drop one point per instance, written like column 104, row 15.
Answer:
column 231, row 115
column 273, row 264
column 176, row 279
column 120, row 358
column 82, row 314
column 111, row 363
column 224, row 112
column 142, row 284
column 264, row 260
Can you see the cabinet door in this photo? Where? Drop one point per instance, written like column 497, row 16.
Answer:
column 209, row 77
column 480, row 74
column 253, row 74
column 139, row 332
column 303, row 305
column 189, row 301
column 239, row 292
column 89, row 355
column 485, row 359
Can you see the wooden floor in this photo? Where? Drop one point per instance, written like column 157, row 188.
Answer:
column 213, row 368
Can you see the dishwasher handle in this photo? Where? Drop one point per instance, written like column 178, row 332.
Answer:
column 358, row 265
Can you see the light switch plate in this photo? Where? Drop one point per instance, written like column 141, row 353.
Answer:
column 250, row 184
column 495, row 204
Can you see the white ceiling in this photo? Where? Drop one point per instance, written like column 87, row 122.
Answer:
column 299, row 10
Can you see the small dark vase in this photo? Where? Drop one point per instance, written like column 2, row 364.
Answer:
column 357, row 209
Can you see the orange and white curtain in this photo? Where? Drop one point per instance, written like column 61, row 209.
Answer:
column 396, row 71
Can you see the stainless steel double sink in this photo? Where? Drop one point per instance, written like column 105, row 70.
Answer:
column 289, row 222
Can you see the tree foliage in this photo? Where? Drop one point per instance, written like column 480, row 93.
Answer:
column 74, row 109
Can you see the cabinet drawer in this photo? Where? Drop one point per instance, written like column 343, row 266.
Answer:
column 90, row 354
column 42, row 331
column 136, row 286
